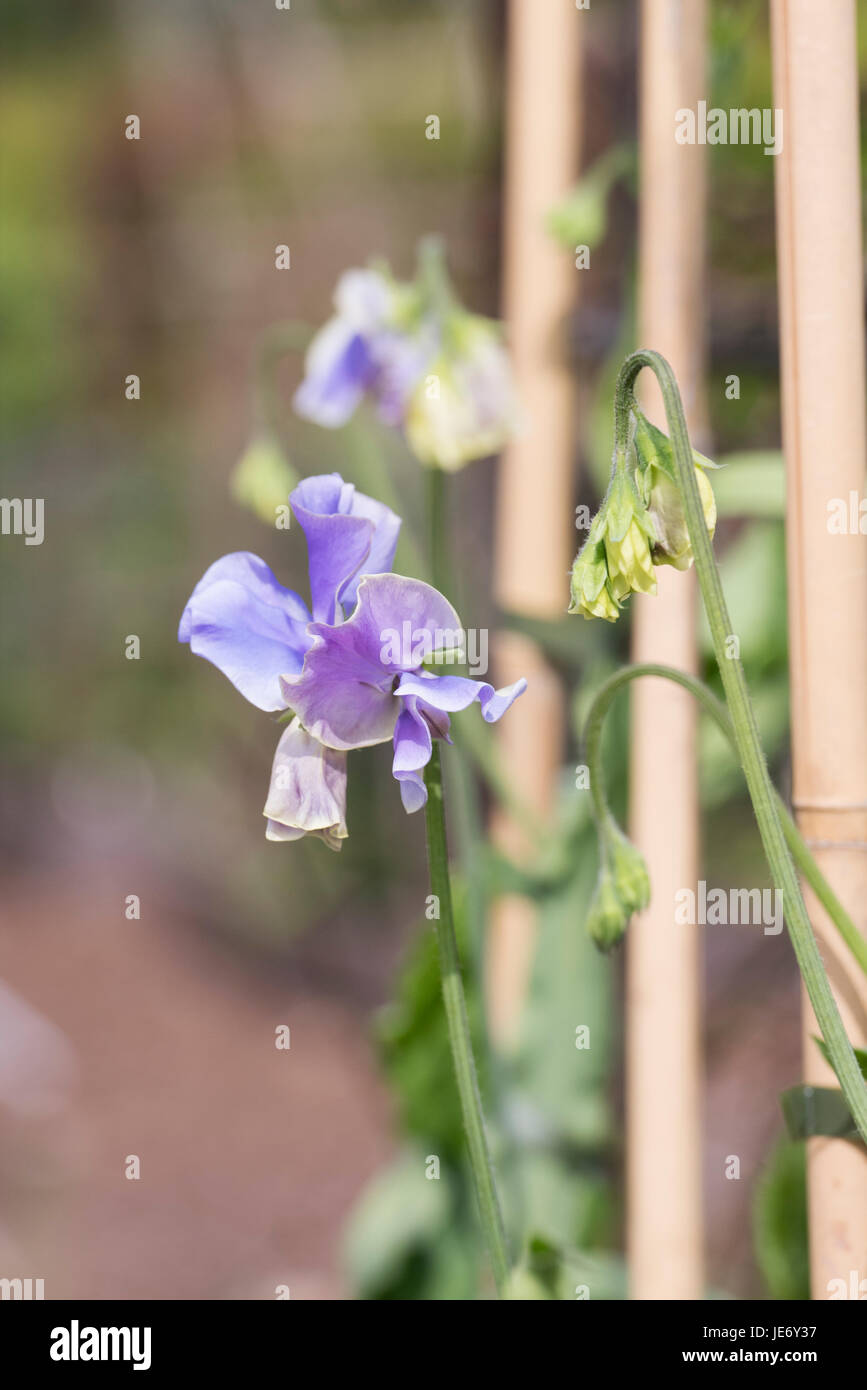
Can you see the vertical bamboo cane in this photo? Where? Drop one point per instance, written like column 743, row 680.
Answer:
column 822, row 349
column 534, row 538
column 663, row 1045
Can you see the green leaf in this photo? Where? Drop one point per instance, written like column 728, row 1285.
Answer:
column 860, row 1055
column 414, row 1044
column 810, row 1110
column 779, row 1221
column 547, row 1271
column 404, row 1237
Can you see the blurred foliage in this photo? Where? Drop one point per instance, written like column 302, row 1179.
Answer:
column 780, row 1222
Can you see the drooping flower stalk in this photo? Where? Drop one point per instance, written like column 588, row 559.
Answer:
column 804, row 860
column 745, row 729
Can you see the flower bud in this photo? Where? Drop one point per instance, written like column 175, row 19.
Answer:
column 657, row 479
column 262, row 478
column 590, row 592
column 607, row 919
column 627, row 541
column 615, row 560
column 628, row 869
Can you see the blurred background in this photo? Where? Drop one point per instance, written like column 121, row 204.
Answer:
column 154, row 1035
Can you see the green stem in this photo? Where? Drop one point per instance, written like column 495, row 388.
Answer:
column 459, row 1028
column 435, row 497
column 744, row 725
column 718, row 712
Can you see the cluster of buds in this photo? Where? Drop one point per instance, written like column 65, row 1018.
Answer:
column 640, row 524
column 623, row 886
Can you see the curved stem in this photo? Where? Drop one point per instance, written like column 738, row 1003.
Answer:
column 745, row 729
column 459, row 1028
column 716, row 709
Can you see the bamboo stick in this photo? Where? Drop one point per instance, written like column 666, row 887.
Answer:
column 822, row 351
column 663, row 1046
column 534, row 537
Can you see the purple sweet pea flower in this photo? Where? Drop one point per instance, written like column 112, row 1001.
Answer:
column 436, row 372
column 345, row 670
column 360, row 686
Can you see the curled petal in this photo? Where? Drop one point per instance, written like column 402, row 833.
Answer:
column 252, row 629
column 412, row 749
column 452, row 693
column 307, row 795
column 347, row 534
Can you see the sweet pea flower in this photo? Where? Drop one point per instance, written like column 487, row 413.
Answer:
column 344, row 669
column 433, row 370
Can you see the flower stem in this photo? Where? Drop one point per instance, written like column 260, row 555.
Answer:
column 718, row 712
column 744, row 726
column 459, row 1028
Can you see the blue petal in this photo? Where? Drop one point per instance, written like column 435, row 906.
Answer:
column 338, row 371
column 348, row 535
column 453, row 693
column 250, row 627
column 412, row 750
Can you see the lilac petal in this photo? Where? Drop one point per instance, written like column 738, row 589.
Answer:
column 307, row 795
column 344, row 695
column 406, row 621
column 453, row 693
column 413, row 792
column 252, row 629
column 363, row 299
column 347, row 534
column 401, row 361
column 338, row 370
column 412, row 750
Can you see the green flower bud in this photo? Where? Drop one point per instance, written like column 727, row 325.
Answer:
column 657, row 478
column 627, row 541
column 607, row 918
column 616, row 559
column 628, row 869
column 263, row 478
column 590, row 592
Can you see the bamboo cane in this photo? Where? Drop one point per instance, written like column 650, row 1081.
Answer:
column 534, row 539
column 822, row 351
column 663, row 1053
